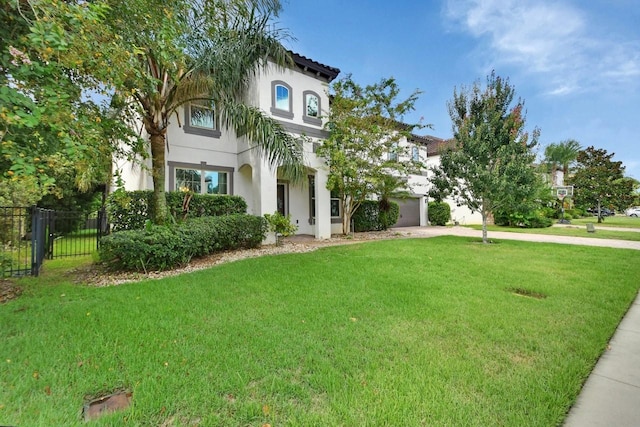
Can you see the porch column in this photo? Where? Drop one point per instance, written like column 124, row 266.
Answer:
column 264, row 189
column 264, row 193
column 323, row 207
column 423, row 211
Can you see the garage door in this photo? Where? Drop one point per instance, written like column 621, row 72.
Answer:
column 409, row 213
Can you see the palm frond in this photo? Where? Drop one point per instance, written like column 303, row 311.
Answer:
column 267, row 137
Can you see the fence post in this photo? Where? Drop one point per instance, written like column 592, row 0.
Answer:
column 101, row 225
column 35, row 241
column 51, row 222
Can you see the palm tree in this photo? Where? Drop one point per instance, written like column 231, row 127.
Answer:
column 561, row 156
column 186, row 51
column 568, row 153
column 388, row 187
column 552, row 161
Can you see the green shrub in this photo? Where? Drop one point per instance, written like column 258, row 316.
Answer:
column 533, row 219
column 6, row 261
column 575, row 212
column 281, row 225
column 205, row 204
column 539, row 221
column 548, row 212
column 439, row 213
column 161, row 248
column 129, row 210
column 390, row 216
column 369, row 216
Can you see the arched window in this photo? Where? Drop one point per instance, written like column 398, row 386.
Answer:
column 281, row 99
column 415, row 154
column 312, row 111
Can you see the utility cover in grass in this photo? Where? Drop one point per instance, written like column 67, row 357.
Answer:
column 107, row 404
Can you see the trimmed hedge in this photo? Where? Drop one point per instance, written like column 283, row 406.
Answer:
column 129, row 210
column 369, row 216
column 439, row 213
column 161, row 248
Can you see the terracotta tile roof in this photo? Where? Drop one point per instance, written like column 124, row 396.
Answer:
column 438, row 145
column 308, row 64
column 434, row 145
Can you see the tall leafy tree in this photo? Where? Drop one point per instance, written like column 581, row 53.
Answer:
column 490, row 165
column 599, row 181
column 363, row 146
column 183, row 51
column 48, row 123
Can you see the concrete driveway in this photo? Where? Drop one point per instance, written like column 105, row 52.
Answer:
column 432, row 231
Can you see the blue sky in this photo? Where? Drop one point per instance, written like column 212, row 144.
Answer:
column 576, row 64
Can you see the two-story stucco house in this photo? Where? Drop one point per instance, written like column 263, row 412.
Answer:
column 206, row 158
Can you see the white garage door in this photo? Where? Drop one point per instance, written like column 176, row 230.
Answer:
column 409, row 212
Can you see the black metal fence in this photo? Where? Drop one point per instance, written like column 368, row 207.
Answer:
column 28, row 236
column 15, row 241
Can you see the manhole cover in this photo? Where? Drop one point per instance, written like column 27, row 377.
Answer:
column 107, row 404
column 527, row 293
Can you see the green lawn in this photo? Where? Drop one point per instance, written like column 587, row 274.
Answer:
column 618, row 220
column 402, row 332
column 80, row 242
column 577, row 228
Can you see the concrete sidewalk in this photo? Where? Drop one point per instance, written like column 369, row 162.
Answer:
column 611, row 394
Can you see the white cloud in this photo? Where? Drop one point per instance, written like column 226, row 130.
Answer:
column 552, row 40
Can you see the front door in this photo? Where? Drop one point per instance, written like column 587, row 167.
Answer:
column 282, row 201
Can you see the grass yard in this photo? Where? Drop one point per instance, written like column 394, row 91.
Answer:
column 79, row 242
column 402, row 332
column 619, row 220
column 576, row 229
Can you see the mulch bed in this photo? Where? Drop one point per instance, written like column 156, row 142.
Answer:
column 8, row 291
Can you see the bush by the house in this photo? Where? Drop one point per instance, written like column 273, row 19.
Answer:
column 439, row 213
column 369, row 216
column 160, row 248
column 129, row 210
column 281, row 225
column 389, row 215
column 534, row 219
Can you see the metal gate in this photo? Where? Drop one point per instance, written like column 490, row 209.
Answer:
column 28, row 236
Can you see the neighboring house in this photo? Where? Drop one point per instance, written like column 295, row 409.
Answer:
column 413, row 210
column 553, row 178
column 205, row 158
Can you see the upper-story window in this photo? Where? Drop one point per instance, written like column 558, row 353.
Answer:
column 200, row 119
column 281, row 99
column 312, row 105
column 201, row 115
column 311, row 102
column 393, row 153
column 415, row 154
